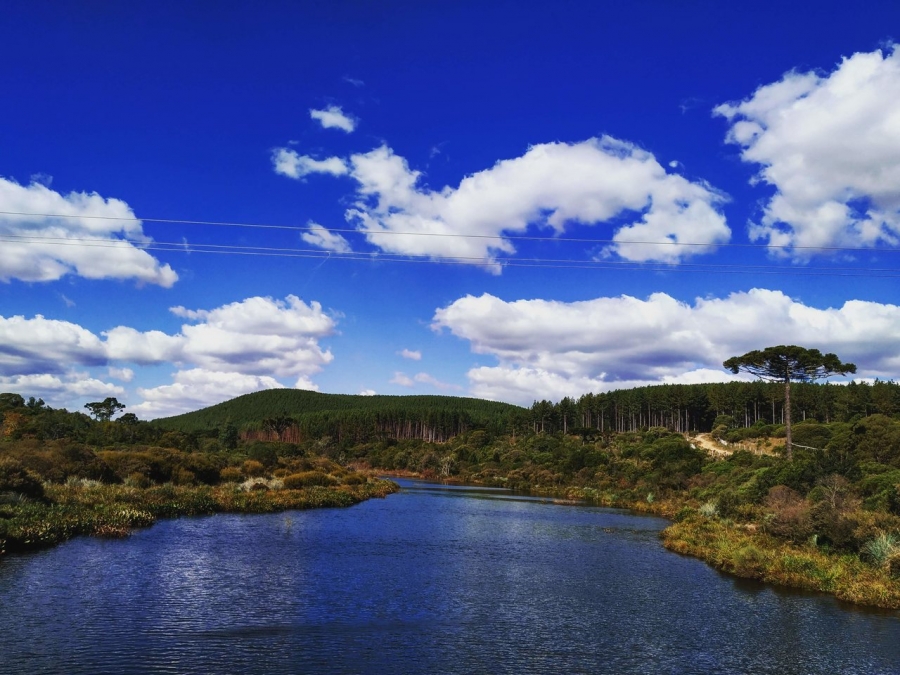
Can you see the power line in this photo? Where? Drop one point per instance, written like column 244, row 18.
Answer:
column 554, row 263
column 300, row 228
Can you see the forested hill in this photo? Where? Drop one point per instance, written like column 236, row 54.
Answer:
column 286, row 413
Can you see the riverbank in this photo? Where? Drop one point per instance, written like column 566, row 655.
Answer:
column 96, row 509
column 743, row 550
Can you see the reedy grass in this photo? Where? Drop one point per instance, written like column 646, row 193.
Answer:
column 882, row 548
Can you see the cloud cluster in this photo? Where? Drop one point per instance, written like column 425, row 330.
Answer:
column 600, row 180
column 594, row 181
column 567, row 349
column 84, row 234
column 830, row 146
column 224, row 352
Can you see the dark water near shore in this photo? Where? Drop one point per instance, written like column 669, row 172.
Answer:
column 431, row 580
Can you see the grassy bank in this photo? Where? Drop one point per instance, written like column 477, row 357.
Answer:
column 754, row 555
column 89, row 508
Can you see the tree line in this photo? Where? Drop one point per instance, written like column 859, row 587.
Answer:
column 293, row 416
column 695, row 407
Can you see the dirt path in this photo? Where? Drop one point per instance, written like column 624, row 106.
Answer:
column 713, row 447
column 724, row 449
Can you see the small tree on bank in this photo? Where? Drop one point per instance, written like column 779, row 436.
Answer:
column 787, row 363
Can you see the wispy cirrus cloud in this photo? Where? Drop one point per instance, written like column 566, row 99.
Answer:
column 325, row 239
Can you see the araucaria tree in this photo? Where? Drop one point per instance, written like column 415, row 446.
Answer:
column 787, row 363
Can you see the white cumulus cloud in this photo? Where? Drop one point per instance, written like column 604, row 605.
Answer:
column 197, row 388
column 79, row 233
column 290, row 163
column 592, row 182
column 333, row 117
column 60, row 390
column 39, row 345
column 570, row 348
column 829, row 144
column 257, row 341
column 412, row 355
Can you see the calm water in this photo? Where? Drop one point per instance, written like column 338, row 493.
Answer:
column 431, row 580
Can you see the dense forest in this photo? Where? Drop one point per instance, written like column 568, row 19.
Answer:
column 293, row 415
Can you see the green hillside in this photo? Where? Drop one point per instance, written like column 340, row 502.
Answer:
column 317, row 413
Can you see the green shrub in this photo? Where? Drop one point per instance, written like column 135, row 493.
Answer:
column 749, row 561
column 683, row 513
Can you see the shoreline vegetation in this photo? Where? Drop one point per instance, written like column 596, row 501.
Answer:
column 708, row 457
column 87, row 507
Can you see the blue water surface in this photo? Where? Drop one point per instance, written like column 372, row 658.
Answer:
column 430, row 580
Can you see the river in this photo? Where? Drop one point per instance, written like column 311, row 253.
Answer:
column 431, row 580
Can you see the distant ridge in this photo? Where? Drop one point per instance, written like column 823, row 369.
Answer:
column 313, row 409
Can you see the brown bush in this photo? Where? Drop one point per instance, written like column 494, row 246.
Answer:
column 138, row 480
column 308, row 479
column 231, row 474
column 181, row 476
column 788, row 514
column 253, row 469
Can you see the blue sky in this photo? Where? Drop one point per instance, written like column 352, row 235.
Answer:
column 506, row 200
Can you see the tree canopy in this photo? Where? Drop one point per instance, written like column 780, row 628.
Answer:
column 786, row 363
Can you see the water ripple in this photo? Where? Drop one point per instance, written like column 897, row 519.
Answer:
column 416, row 583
